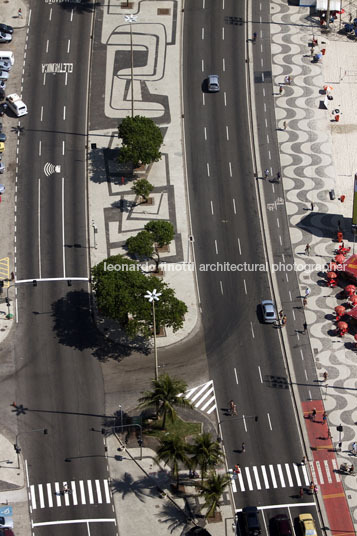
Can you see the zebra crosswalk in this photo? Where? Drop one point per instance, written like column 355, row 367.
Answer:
column 71, row 493
column 202, row 397
column 284, row 475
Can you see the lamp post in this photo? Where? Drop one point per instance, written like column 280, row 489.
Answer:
column 130, row 19
column 152, row 297
column 7, row 299
column 16, row 445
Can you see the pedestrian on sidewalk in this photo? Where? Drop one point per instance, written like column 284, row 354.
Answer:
column 307, row 292
column 312, row 487
column 325, row 376
column 354, row 448
column 281, row 314
column 19, row 13
column 316, row 489
column 285, row 125
column 313, row 414
column 280, row 89
column 312, row 51
column 307, row 249
column 305, row 327
column 324, row 417
column 303, row 461
column 284, row 320
column 288, row 80
column 312, row 205
column 304, row 302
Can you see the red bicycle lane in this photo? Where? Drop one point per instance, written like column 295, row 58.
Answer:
column 325, row 471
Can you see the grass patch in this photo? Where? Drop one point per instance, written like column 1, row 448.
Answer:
column 178, row 427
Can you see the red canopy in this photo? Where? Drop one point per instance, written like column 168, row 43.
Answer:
column 352, row 313
column 353, row 299
column 350, row 266
column 340, row 309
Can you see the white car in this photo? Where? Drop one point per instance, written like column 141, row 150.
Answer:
column 5, row 37
column 4, row 75
column 5, row 65
column 2, row 167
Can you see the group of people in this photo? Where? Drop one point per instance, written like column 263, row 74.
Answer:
column 344, row 467
column 267, row 174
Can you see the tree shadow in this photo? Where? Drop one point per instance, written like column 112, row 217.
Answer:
column 75, row 327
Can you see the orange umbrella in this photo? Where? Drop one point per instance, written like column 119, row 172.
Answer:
column 342, row 325
column 331, row 275
column 340, row 309
column 340, row 258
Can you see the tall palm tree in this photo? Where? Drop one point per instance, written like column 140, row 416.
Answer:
column 164, row 396
column 206, row 453
column 173, row 451
column 212, row 490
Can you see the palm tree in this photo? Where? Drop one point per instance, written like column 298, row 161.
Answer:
column 173, row 451
column 206, row 453
column 212, row 490
column 165, row 395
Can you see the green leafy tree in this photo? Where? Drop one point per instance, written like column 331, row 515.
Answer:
column 206, row 453
column 165, row 396
column 142, row 140
column 173, row 451
column 120, row 296
column 143, row 188
column 146, row 244
column 212, row 490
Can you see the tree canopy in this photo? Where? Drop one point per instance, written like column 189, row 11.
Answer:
column 120, row 287
column 142, row 140
column 146, row 243
column 143, row 188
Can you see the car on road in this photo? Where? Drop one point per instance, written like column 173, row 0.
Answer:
column 213, row 83
column 307, row 525
column 281, row 525
column 269, row 312
column 5, row 37
column 6, row 29
column 5, row 65
column 4, row 75
column 251, row 522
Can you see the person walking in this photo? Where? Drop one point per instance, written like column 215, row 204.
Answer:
column 313, row 414
column 312, row 51
column 312, row 205
column 280, row 89
column 303, row 461
column 234, row 409
column 304, row 302
column 324, row 417
column 301, row 493
column 307, row 249
column 66, row 489
column 231, row 406
column 281, row 314
column 266, row 173
column 278, row 176
column 243, row 447
column 304, row 327
column 325, row 376
column 254, row 37
column 19, row 13
column 285, row 125
column 236, row 469
column 307, row 292
column 284, row 320
column 354, row 448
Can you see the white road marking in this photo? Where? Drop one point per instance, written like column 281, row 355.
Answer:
column 62, row 147
column 252, row 330
column 297, row 475
column 245, row 286
column 87, row 521
column 304, row 472
column 66, row 495
column 40, row 492
column 39, row 148
column 265, row 476
column 58, row 494
column 64, row 113
column 44, row 79
column 281, row 476
column 39, row 228
column 47, row 42
column 234, row 206
column 63, row 239
column 301, row 355
column 334, row 465
column 247, row 474
column 225, row 98
column 207, row 168
column 33, row 497
column 90, row 492
column 50, row 17
column 66, row 79
column 240, row 251
column 71, row 18
column 227, row 133
column 41, row 115
column 230, row 169
column 202, row 65
column 205, row 133
column 83, row 495
column 223, row 64
column 260, row 374
column 241, row 483
column 278, row 223
column 107, row 492
column 221, row 285
column 216, row 247
column 236, row 375
column 212, row 208
column 99, row 491
column 49, row 495
column 287, row 469
column 272, row 475
column 269, row 420
column 256, row 476
column 74, row 492
column 202, row 34
column 223, row 34
column 68, row 46
column 328, row 473
column 319, row 471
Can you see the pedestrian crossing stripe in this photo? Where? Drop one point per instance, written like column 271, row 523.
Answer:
column 5, row 270
column 284, row 475
column 79, row 493
column 202, row 397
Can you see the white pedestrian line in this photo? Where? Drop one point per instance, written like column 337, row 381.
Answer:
column 203, row 397
column 94, row 492
column 258, row 477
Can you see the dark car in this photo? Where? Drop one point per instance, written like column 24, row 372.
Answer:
column 2, row 137
column 251, row 521
column 3, row 108
column 281, row 525
column 5, row 28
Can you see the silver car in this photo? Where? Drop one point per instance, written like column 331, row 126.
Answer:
column 269, row 312
column 5, row 65
column 2, row 167
column 213, row 83
column 4, row 75
column 5, row 37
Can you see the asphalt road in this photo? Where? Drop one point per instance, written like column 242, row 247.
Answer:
column 244, row 356
column 59, row 383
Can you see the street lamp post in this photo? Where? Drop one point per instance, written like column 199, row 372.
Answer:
column 152, row 297
column 7, row 299
column 130, row 19
column 16, row 445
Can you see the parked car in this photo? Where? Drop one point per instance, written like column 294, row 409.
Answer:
column 251, row 521
column 2, row 149
column 3, row 108
column 3, row 86
column 307, row 525
column 269, row 312
column 6, row 29
column 281, row 525
column 213, row 83
column 5, row 65
column 4, row 75
column 2, row 137
column 5, row 37
column 2, row 167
